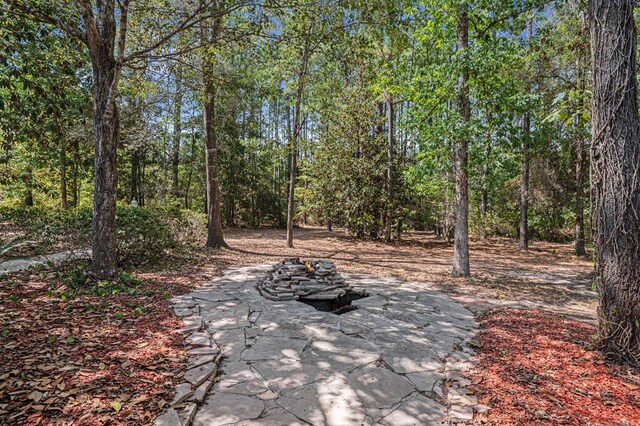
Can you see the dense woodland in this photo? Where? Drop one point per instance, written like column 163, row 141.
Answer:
column 383, row 116
column 364, row 95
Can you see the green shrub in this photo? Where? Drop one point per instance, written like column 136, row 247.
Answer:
column 143, row 233
column 48, row 227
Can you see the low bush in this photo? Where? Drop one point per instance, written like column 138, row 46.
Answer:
column 143, row 233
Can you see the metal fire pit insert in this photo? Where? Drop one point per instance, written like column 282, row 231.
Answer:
column 315, row 283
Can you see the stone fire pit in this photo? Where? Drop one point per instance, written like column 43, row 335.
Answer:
column 315, row 283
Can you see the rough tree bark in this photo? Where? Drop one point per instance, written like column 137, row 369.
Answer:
column 63, row 172
column 101, row 35
column 523, row 243
column 297, row 127
column 28, row 191
column 486, row 169
column 390, row 148
column 215, row 237
column 580, row 166
column 579, row 206
column 177, row 132
column 461, row 237
column 615, row 169
column 75, row 172
column 135, row 169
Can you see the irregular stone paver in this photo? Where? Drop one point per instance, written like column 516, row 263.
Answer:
column 239, row 378
column 196, row 376
column 225, row 408
column 168, row 418
column 274, row 347
column 275, row 417
column 317, row 405
column 425, row 381
column 284, row 363
column 286, row 374
column 416, row 411
column 379, row 387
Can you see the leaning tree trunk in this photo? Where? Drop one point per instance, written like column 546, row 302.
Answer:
column 461, row 237
column 615, row 169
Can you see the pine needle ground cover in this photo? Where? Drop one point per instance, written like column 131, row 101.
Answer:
column 541, row 368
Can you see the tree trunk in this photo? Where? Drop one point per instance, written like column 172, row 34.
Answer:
column 523, row 243
column 101, row 32
column 297, row 114
column 141, row 178
column 28, row 191
column 292, row 182
column 135, row 167
column 187, row 190
column 215, row 237
column 461, row 238
column 580, row 164
column 177, row 132
column 615, row 167
column 579, row 207
column 106, row 126
column 390, row 148
column 484, row 202
column 75, row 172
column 63, row 173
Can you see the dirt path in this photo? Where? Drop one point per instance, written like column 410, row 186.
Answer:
column 547, row 277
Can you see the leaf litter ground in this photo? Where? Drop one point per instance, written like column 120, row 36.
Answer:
column 103, row 355
column 115, row 359
column 539, row 368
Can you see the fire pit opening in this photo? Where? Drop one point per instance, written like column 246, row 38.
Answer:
column 315, row 283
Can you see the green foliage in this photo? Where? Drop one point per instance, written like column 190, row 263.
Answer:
column 143, row 232
column 360, row 55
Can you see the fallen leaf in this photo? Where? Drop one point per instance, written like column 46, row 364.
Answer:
column 631, row 386
column 35, row 396
column 139, row 399
column 116, row 405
